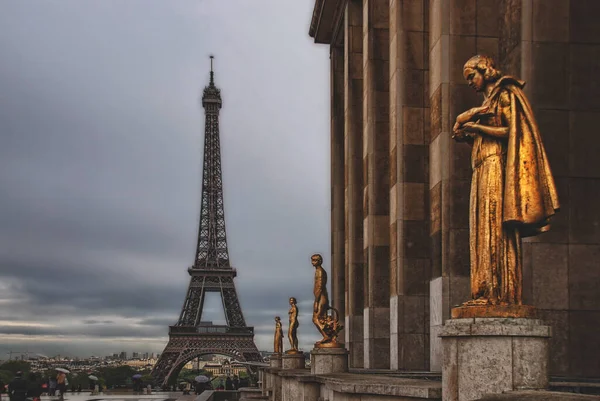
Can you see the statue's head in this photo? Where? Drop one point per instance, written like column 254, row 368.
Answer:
column 316, row 260
column 277, row 319
column 479, row 71
column 292, row 301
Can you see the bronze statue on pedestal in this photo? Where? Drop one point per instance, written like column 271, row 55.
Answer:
column 328, row 325
column 293, row 327
column 513, row 194
column 278, row 340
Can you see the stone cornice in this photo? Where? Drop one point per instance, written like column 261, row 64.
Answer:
column 316, row 16
column 326, row 18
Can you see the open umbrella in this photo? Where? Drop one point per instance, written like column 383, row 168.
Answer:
column 63, row 370
column 137, row 376
column 92, row 377
column 202, row 379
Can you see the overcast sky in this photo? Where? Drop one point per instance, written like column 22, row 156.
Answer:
column 101, row 156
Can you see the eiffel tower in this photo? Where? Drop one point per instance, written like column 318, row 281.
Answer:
column 190, row 337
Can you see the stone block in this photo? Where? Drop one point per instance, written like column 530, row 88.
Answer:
column 584, row 341
column 435, row 349
column 436, row 253
column 439, row 24
column 439, row 63
column 417, row 273
column 550, row 276
column 414, row 163
column 551, row 21
column 584, row 62
column 584, row 220
column 413, row 125
column 463, row 17
column 459, row 263
column 293, row 361
column 551, row 62
column 554, row 124
column 583, row 277
column 416, row 240
column 488, row 46
column 488, row 12
column 559, row 342
column 435, row 209
column 412, row 15
column 435, row 116
column 435, row 162
column 413, row 85
column 483, row 356
column 462, row 48
column 586, row 30
column 583, row 160
column 414, row 201
column 415, row 51
column 393, row 168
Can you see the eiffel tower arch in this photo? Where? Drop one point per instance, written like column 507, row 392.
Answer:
column 190, row 338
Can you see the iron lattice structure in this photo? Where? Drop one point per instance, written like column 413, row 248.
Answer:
column 211, row 272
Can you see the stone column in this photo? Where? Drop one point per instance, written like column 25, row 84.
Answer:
column 338, row 184
column 458, row 31
column 376, row 191
column 353, row 109
column 410, row 262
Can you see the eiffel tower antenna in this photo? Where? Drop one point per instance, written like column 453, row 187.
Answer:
column 190, row 337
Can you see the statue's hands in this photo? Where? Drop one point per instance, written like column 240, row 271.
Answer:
column 471, row 127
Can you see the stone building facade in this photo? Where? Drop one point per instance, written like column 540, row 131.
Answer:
column 400, row 185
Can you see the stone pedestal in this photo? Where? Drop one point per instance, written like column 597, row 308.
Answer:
column 328, row 360
column 293, row 361
column 492, row 355
column 275, row 361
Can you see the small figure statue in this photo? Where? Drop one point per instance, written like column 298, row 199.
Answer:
column 513, row 194
column 293, row 327
column 278, row 340
column 328, row 325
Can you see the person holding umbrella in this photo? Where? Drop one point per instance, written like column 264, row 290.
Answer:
column 61, row 382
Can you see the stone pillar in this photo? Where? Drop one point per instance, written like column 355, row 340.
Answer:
column 293, row 361
column 377, row 184
column 353, row 150
column 410, row 261
column 493, row 355
column 338, row 240
column 458, row 31
column 328, row 360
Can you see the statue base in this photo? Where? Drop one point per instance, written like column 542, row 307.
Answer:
column 293, row 361
column 328, row 360
column 275, row 361
column 499, row 311
column 493, row 355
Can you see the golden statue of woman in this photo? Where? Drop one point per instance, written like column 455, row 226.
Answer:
column 278, row 340
column 513, row 194
column 293, row 327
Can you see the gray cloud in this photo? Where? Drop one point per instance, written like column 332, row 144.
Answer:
column 100, row 165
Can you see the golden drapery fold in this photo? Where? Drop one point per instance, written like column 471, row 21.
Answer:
column 530, row 196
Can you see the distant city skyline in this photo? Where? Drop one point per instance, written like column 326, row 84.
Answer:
column 101, row 167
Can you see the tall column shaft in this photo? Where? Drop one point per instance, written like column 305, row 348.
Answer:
column 338, row 226
column 376, row 185
column 353, row 150
column 410, row 261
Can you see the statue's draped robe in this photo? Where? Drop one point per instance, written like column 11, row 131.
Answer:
column 513, row 195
